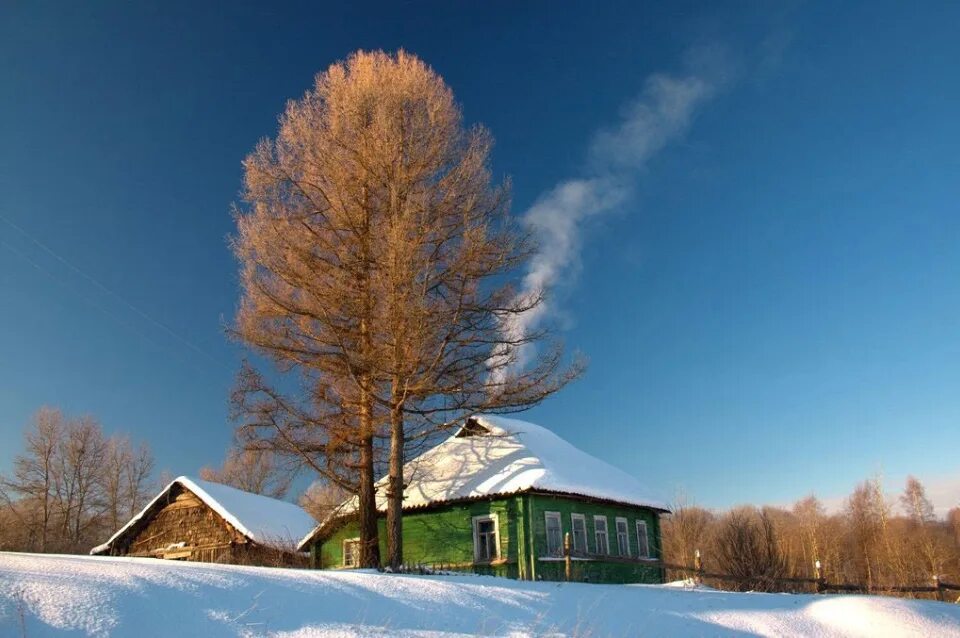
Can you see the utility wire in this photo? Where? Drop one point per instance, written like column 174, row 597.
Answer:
column 93, row 280
column 86, row 299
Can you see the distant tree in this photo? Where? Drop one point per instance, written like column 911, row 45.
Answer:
column 253, row 471
column 71, row 484
column 915, row 503
column 34, row 473
column 923, row 536
column 125, row 480
column 748, row 547
column 685, row 531
column 137, row 481
column 322, row 499
column 78, row 479
column 866, row 512
column 865, row 544
column 953, row 518
column 821, row 536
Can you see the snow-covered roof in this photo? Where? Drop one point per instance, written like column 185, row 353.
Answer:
column 493, row 455
column 264, row 520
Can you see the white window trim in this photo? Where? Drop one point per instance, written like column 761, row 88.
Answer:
column 645, row 536
column 343, row 552
column 476, row 536
column 573, row 537
column 546, row 531
column 626, row 533
column 606, row 532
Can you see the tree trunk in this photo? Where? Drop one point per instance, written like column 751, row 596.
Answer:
column 395, row 488
column 369, row 534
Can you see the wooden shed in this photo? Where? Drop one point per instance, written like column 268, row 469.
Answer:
column 201, row 521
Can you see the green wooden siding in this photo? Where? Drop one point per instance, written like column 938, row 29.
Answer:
column 597, row 570
column 443, row 536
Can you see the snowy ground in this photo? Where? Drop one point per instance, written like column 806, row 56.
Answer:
column 78, row 595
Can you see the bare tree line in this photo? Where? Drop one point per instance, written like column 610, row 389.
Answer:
column 254, row 471
column 875, row 541
column 72, row 486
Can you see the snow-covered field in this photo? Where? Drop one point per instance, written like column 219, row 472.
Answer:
column 42, row 595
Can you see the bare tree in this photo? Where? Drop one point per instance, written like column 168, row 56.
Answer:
column 866, row 514
column 34, row 473
column 747, row 547
column 953, row 519
column 137, row 482
column 919, row 510
column 322, row 499
column 78, row 478
column 685, row 531
column 251, row 470
column 118, row 458
column 71, row 484
column 915, row 503
column 126, row 475
column 373, row 254
column 811, row 520
column 446, row 244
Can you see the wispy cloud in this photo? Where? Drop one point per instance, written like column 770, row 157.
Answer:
column 660, row 114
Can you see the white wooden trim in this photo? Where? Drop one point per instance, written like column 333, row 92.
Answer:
column 626, row 531
column 343, row 551
column 546, row 529
column 586, row 535
column 646, row 538
column 476, row 537
column 606, row 532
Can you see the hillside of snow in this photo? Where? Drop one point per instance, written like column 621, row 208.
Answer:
column 44, row 595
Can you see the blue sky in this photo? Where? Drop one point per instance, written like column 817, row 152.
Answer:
column 771, row 310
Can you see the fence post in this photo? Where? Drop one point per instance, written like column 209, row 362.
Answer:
column 939, row 586
column 567, row 562
column 821, row 581
column 698, row 566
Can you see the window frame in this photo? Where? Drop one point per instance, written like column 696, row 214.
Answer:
column 476, row 537
column 606, row 534
column 343, row 552
column 574, row 517
column 626, row 535
column 547, row 516
column 645, row 545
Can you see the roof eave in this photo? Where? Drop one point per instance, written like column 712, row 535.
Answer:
column 325, row 529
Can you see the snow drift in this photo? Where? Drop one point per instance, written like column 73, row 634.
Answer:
column 43, row 595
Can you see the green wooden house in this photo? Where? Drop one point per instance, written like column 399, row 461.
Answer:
column 498, row 497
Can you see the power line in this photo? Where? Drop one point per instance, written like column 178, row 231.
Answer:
column 93, row 280
column 82, row 297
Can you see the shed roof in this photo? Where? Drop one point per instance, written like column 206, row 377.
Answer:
column 263, row 520
column 493, row 455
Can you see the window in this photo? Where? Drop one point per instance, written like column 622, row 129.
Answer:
column 600, row 534
column 579, row 525
column 351, row 552
column 486, row 541
column 554, row 534
column 643, row 543
column 623, row 537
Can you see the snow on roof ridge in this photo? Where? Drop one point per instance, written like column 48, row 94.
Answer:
column 274, row 529
column 549, row 442
column 509, row 456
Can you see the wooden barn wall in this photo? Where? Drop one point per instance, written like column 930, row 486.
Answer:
column 187, row 519
column 207, row 538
